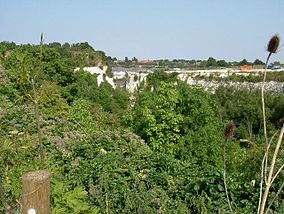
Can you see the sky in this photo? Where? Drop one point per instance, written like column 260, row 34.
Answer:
column 150, row 29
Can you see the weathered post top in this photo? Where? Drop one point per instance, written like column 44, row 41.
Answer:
column 36, row 192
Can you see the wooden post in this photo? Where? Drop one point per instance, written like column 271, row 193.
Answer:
column 36, row 192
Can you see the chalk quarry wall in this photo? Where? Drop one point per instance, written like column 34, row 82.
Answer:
column 131, row 78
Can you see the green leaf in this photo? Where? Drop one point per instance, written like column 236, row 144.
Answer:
column 196, row 187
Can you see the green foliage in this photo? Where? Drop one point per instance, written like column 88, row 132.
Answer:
column 276, row 63
column 119, row 170
column 58, row 61
column 70, row 201
column 82, row 46
column 244, row 107
column 163, row 122
column 85, row 87
column 6, row 46
column 244, row 62
column 258, row 62
column 120, row 101
column 162, row 64
column 211, row 62
column 80, row 115
column 109, row 72
column 7, row 88
column 51, row 103
column 170, row 161
column 222, row 63
column 12, row 151
column 201, row 126
column 104, row 96
column 154, row 79
column 178, row 120
column 55, row 68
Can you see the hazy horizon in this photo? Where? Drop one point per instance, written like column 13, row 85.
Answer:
column 229, row 30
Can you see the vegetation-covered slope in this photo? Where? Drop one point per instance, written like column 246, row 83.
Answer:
column 163, row 155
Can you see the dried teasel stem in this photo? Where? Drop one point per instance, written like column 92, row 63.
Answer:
column 36, row 107
column 41, row 151
column 270, row 178
column 277, row 173
column 265, row 157
column 271, row 48
column 263, row 101
column 225, row 177
column 278, row 192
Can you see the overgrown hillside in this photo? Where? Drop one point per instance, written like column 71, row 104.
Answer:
column 164, row 153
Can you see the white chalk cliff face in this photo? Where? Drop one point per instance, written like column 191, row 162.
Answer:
column 101, row 74
column 131, row 78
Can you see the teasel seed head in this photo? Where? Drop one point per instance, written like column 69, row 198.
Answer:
column 273, row 44
column 229, row 130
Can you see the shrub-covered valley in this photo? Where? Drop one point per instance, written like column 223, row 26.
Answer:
column 161, row 149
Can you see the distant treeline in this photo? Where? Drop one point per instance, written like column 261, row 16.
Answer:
column 75, row 55
column 187, row 63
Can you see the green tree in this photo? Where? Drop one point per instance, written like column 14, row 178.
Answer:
column 222, row 63
column 82, row 46
column 244, row 62
column 201, row 140
column 154, row 79
column 178, row 120
column 85, row 85
column 165, row 134
column 211, row 62
column 258, row 62
column 134, row 59
column 66, row 45
column 55, row 45
column 276, row 63
column 6, row 46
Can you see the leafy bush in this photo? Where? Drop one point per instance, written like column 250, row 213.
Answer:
column 52, row 105
column 70, row 201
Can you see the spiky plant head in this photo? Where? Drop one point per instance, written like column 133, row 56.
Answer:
column 41, row 38
column 229, row 130
column 273, row 44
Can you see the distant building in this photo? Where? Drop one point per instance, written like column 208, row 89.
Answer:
column 246, row 67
